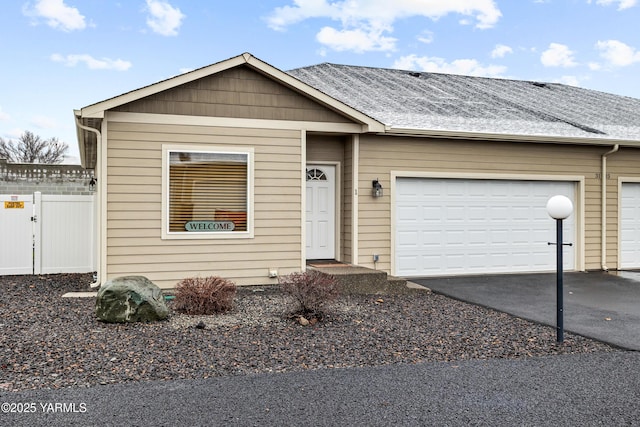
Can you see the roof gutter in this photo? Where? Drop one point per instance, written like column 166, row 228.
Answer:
column 603, row 227
column 81, row 140
column 549, row 139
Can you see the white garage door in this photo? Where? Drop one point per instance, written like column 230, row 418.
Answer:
column 461, row 226
column 630, row 225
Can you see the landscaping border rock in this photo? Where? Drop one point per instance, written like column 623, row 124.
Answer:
column 130, row 299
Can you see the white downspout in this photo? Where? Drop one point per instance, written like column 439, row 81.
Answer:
column 603, row 227
column 98, row 199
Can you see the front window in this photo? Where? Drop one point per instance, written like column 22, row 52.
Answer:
column 208, row 193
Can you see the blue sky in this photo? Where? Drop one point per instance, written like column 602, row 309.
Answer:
column 61, row 55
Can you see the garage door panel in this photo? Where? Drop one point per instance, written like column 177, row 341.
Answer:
column 408, row 263
column 477, row 226
column 434, row 238
column 630, row 225
column 478, row 237
column 407, row 213
column 408, row 240
column 476, row 212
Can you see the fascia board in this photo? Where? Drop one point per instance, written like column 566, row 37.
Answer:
column 510, row 137
column 80, row 137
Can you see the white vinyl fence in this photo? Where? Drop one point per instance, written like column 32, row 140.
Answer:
column 43, row 234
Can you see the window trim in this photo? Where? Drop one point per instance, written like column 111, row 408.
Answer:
column 213, row 149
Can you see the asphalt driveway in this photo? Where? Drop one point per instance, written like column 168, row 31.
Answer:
column 599, row 305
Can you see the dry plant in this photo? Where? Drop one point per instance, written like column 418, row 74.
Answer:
column 204, row 295
column 310, row 290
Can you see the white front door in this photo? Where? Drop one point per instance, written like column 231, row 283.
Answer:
column 321, row 212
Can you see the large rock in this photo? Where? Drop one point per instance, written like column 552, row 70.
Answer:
column 130, row 299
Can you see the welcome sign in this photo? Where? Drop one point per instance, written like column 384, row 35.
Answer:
column 209, row 226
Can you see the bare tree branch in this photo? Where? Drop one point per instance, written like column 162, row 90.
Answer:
column 31, row 148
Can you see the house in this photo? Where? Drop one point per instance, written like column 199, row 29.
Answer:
column 245, row 171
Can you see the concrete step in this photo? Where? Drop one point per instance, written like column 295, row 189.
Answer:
column 361, row 280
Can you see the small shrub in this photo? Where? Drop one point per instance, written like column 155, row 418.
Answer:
column 204, row 295
column 311, row 291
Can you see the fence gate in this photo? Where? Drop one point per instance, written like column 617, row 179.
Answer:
column 44, row 234
column 16, row 234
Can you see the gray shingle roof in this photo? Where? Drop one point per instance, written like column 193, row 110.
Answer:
column 445, row 102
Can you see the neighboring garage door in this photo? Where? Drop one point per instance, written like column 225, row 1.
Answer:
column 630, row 225
column 474, row 226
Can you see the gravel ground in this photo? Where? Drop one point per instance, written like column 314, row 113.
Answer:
column 50, row 342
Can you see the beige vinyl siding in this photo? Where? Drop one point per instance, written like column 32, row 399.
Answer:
column 239, row 92
column 325, row 148
column 380, row 155
column 624, row 163
column 134, row 180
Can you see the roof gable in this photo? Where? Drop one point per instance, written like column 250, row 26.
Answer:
column 238, row 92
column 97, row 110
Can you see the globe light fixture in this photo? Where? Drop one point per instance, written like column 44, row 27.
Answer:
column 559, row 208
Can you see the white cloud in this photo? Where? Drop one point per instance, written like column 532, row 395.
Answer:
column 376, row 17
column 426, row 37
column 622, row 4
column 568, row 80
column 594, row 66
column 15, row 133
column 43, row 122
column 617, row 53
column 467, row 67
column 57, row 14
column 357, row 40
column 558, row 55
column 4, row 116
column 91, row 62
column 163, row 18
column 185, row 70
column 500, row 51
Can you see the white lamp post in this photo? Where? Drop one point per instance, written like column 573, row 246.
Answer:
column 559, row 208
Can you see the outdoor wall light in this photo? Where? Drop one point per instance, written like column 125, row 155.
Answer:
column 92, row 184
column 377, row 188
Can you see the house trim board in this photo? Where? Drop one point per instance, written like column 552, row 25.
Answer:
column 101, row 167
column 303, row 198
column 622, row 180
column 176, row 119
column 355, row 173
